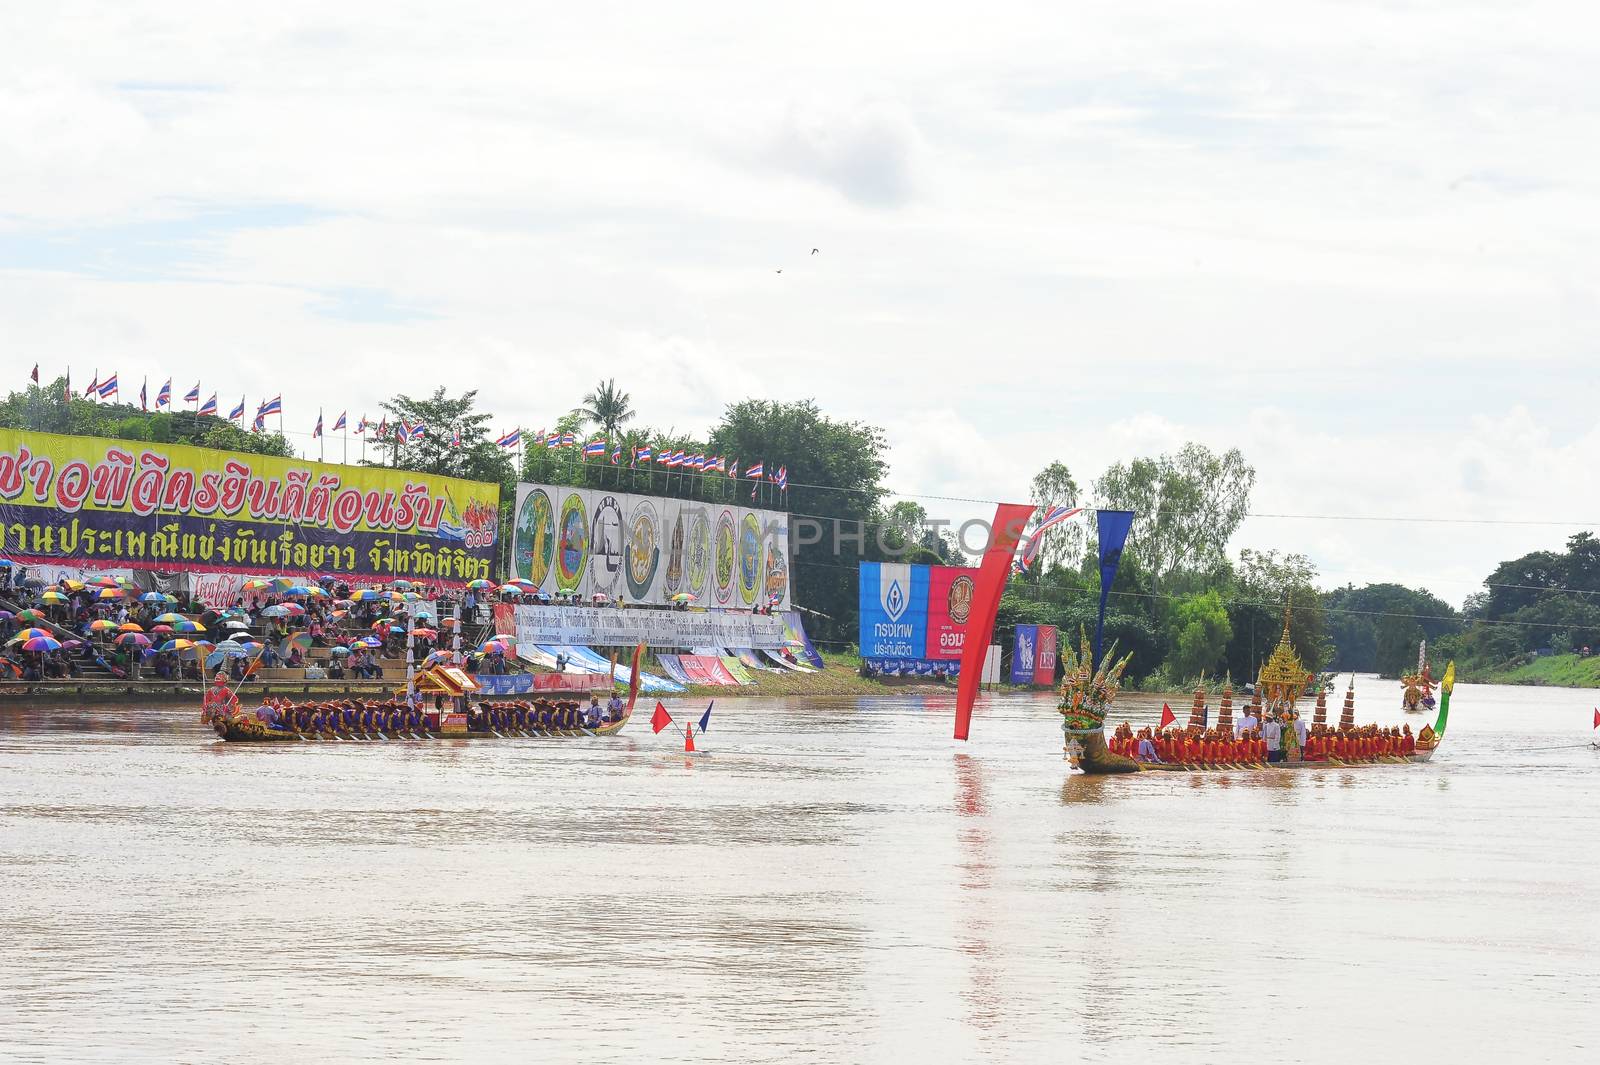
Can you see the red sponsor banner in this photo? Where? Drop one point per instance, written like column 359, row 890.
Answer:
column 505, row 619
column 1009, row 518
column 949, row 605
column 567, row 682
column 703, row 669
column 1044, row 656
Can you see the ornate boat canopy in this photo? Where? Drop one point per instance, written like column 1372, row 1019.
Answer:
column 1283, row 678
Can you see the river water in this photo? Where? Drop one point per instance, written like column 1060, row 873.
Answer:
column 830, row 881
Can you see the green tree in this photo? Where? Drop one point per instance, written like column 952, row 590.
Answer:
column 1052, row 487
column 1200, row 634
column 606, row 407
column 1187, row 506
column 446, row 419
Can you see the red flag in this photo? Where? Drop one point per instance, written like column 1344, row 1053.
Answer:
column 1009, row 518
column 35, row 373
column 1167, row 716
column 688, row 739
column 1597, row 719
column 660, row 719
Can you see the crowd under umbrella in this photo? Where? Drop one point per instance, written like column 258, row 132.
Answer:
column 178, row 645
column 41, row 643
column 301, row 640
column 132, row 639
column 28, row 634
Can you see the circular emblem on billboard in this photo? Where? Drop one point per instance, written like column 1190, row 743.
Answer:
column 959, row 602
column 749, row 558
column 644, row 550
column 605, row 547
column 722, row 558
column 572, row 548
column 535, row 537
column 777, row 573
column 673, row 578
column 697, row 552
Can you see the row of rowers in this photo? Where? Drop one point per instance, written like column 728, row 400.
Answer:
column 362, row 716
column 1272, row 743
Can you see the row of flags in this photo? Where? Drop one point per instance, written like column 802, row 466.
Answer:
column 640, row 455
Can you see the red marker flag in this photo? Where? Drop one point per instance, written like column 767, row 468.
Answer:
column 1167, row 716
column 660, row 719
column 1597, row 719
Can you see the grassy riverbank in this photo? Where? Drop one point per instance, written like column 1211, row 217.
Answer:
column 839, row 676
column 1556, row 671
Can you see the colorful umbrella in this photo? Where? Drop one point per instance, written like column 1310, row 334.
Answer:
column 157, row 597
column 53, row 597
column 511, row 589
column 102, row 625
column 129, row 626
column 340, row 651
column 297, row 589
column 31, row 617
column 28, row 634
column 426, row 634
column 682, row 597
column 161, row 628
column 257, row 584
column 187, row 626
column 498, row 645
column 402, row 585
column 448, row 623
column 301, row 640
column 170, row 618
column 41, row 643
column 480, row 584
column 370, row 641
column 133, row 639
column 176, row 645
column 111, row 593
column 281, row 610
column 102, row 581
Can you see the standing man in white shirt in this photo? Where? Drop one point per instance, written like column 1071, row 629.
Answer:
column 1272, row 732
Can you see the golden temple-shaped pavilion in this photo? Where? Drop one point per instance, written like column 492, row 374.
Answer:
column 1283, row 678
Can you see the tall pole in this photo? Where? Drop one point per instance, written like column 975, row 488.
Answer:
column 411, row 649
column 322, row 439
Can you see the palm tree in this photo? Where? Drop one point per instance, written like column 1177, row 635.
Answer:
column 606, row 407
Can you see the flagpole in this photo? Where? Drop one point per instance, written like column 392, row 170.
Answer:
column 322, row 438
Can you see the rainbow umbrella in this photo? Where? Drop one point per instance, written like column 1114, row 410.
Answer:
column 426, row 634
column 301, row 640
column 496, row 646
column 170, row 618
column 111, row 593
column 102, row 625
column 257, row 584
column 157, row 597
column 31, row 617
column 480, row 584
column 411, row 597
column 293, row 609
column 176, row 645
column 28, row 634
column 367, row 595
column 297, row 590
column 402, row 585
column 133, row 639
column 187, row 626
column 102, row 581
column 370, row 641
column 41, row 643
column 53, row 597
column 683, row 597
column 511, row 589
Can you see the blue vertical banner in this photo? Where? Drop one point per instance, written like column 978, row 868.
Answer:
column 1113, row 526
column 894, row 610
column 1024, row 654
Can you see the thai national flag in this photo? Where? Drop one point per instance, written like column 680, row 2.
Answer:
column 164, row 397
column 455, row 438
column 338, row 423
column 733, row 469
column 755, row 471
column 511, row 439
column 569, row 440
column 553, row 440
column 237, row 413
column 316, row 430
column 261, row 420
column 108, row 387
column 143, row 386
column 193, row 395
column 616, row 454
column 783, row 478
column 361, row 427
column 210, row 406
column 594, row 447
column 271, row 406
column 642, row 454
column 417, row 430
column 1030, row 549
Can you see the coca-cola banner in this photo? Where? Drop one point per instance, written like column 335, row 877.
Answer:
column 101, row 504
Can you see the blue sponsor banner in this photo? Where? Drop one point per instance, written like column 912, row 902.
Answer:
column 894, row 611
column 913, row 667
column 1024, row 654
column 504, row 684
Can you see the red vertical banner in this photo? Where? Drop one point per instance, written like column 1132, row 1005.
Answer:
column 1009, row 520
column 1044, row 656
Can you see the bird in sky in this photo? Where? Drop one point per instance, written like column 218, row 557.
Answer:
column 815, row 250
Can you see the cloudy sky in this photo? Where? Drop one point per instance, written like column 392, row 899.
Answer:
column 1354, row 240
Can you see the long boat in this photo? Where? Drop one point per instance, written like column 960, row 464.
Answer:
column 464, row 717
column 1087, row 694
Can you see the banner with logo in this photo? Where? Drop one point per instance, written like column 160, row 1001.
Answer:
column 101, row 504
column 911, row 615
column 648, row 549
column 1024, row 650
column 612, row 627
column 1046, row 647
